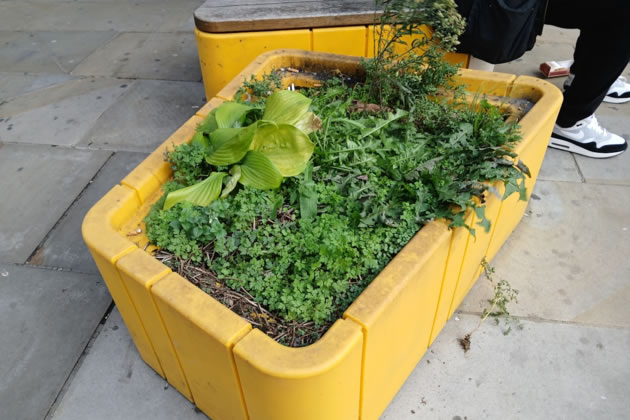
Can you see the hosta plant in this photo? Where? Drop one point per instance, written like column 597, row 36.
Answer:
column 257, row 155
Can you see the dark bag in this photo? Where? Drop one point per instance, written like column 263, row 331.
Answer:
column 499, row 31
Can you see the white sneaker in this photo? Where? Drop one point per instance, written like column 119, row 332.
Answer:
column 618, row 93
column 587, row 138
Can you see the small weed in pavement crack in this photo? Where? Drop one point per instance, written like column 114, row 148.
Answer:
column 503, row 295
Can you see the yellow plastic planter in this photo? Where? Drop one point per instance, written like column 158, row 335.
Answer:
column 224, row 55
column 233, row 371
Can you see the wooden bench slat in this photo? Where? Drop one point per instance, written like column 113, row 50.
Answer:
column 216, row 16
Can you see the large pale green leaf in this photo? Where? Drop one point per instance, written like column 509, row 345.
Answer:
column 231, row 114
column 209, row 124
column 288, row 148
column 201, row 139
column 257, row 171
column 229, row 145
column 221, row 135
column 226, row 115
column 286, row 107
column 200, row 194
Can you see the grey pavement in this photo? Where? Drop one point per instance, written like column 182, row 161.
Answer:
column 59, row 115
column 149, row 112
column 46, row 319
column 48, row 52
column 546, row 370
column 89, row 87
column 64, row 247
column 145, row 56
column 113, row 368
column 40, row 183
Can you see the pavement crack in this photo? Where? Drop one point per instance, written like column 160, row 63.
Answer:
column 540, row 320
column 37, row 256
column 66, row 384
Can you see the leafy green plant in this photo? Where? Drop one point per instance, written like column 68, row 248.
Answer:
column 504, row 294
column 259, row 155
column 254, row 90
column 410, row 39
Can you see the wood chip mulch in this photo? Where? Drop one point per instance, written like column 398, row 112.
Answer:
column 241, row 302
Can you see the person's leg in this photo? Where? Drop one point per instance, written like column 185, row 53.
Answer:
column 478, row 64
column 601, row 53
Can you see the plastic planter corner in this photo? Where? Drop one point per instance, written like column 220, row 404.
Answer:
column 233, row 371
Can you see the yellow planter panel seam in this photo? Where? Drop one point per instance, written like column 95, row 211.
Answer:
column 139, row 271
column 203, row 332
column 397, row 312
column 476, row 249
column 106, row 247
column 320, row 381
column 457, row 247
column 142, row 181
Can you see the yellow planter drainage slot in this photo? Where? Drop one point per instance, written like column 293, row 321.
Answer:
column 232, row 371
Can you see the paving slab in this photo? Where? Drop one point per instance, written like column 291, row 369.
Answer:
column 554, row 44
column 568, row 257
column 114, row 383
column 559, row 166
column 46, row 320
column 163, row 16
column 16, row 84
column 15, row 15
column 64, row 246
column 39, row 184
column 544, row 50
column 560, row 35
column 60, row 115
column 158, row 56
column 48, row 52
column 544, row 371
column 145, row 116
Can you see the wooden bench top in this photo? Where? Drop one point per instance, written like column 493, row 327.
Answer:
column 220, row 16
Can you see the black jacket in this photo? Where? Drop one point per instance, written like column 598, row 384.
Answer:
column 499, row 31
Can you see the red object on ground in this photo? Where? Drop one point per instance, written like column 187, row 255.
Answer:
column 556, row 68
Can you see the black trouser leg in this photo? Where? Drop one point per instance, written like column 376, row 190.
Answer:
column 601, row 53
